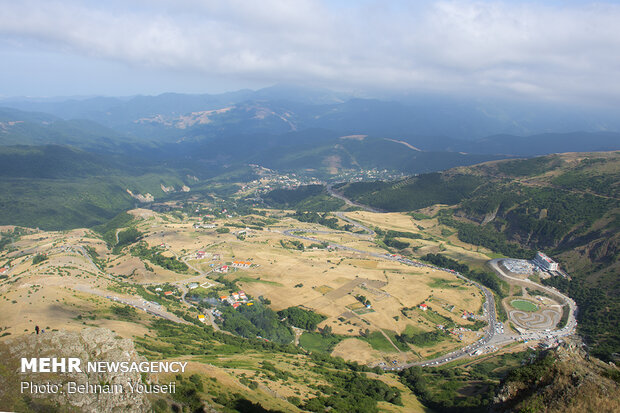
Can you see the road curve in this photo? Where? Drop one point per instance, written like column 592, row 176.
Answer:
column 571, row 323
column 347, row 201
column 356, row 224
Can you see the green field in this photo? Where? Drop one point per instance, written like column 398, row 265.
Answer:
column 378, row 342
column 524, row 305
column 318, row 343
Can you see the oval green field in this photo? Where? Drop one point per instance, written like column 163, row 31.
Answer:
column 524, row 305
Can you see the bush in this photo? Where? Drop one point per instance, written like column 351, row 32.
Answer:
column 39, row 258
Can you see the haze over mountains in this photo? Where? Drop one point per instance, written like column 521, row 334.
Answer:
column 111, row 145
column 282, row 108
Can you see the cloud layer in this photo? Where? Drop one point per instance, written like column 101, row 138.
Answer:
column 558, row 51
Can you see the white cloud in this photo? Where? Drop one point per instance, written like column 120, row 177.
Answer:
column 548, row 51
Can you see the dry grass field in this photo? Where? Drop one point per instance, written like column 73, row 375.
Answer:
column 68, row 291
column 325, row 281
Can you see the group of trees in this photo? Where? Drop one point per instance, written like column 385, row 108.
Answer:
column 414, row 193
column 347, row 388
column 362, row 299
column 486, row 236
column 292, row 244
column 298, row 317
column 142, row 250
column 124, row 312
column 425, row 339
column 352, row 392
column 305, row 197
column 394, row 243
column 439, row 390
column 108, row 230
column 39, row 258
column 400, row 234
column 10, row 237
column 389, row 238
column 256, row 320
column 322, row 219
column 542, row 216
column 449, row 389
column 127, row 237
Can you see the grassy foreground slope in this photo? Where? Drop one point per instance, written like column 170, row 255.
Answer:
column 565, row 204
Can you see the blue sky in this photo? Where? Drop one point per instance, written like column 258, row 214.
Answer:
column 553, row 50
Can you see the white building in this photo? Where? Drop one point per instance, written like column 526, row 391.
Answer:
column 545, row 262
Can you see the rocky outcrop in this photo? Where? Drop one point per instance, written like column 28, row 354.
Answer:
column 142, row 198
column 570, row 381
column 90, row 344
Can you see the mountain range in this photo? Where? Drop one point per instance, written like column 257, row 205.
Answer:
column 289, row 129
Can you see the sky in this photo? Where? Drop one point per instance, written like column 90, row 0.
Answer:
column 565, row 51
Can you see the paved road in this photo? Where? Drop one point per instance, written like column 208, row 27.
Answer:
column 134, row 301
column 356, row 224
column 338, row 195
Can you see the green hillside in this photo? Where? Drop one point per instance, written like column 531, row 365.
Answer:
column 567, row 205
column 32, row 128
column 330, row 156
column 304, row 198
column 55, row 187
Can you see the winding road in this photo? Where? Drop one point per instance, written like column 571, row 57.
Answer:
column 494, row 336
column 489, row 305
column 571, row 323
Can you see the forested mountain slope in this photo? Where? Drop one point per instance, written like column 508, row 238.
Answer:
column 58, row 188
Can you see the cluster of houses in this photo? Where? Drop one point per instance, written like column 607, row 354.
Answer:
column 236, row 299
column 241, row 264
column 216, row 313
column 236, row 264
column 202, row 254
column 270, row 179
